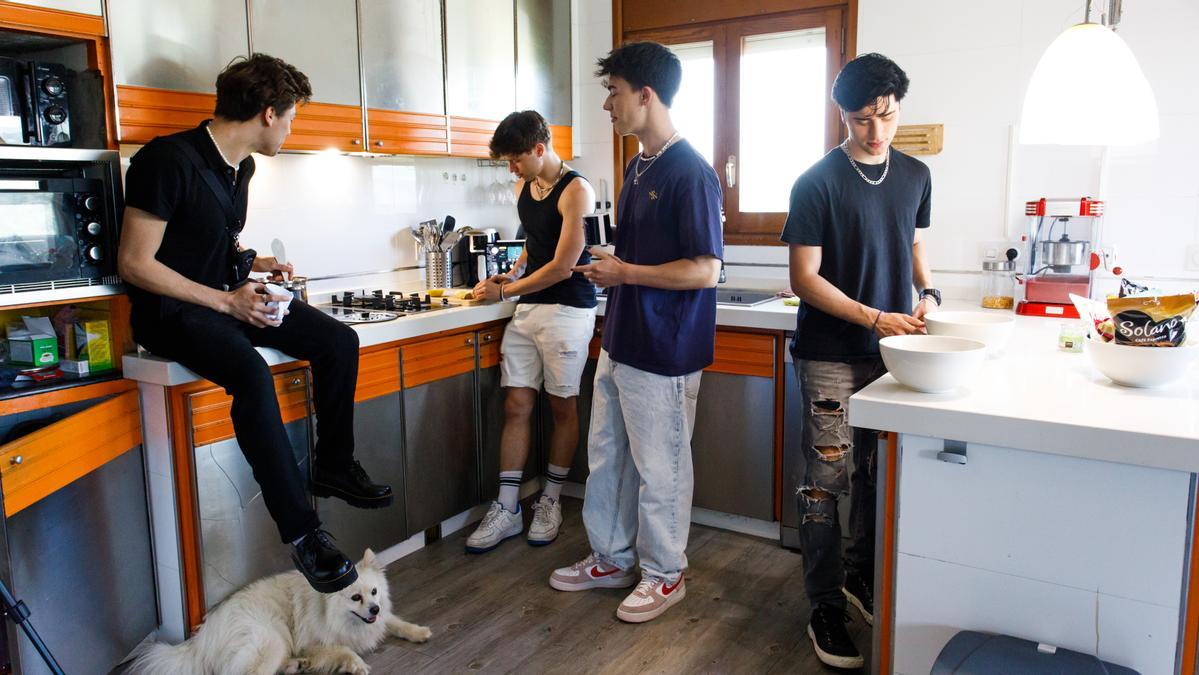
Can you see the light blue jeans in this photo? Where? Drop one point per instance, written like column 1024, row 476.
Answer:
column 638, row 502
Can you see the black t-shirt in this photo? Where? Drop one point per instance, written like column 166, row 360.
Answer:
column 197, row 242
column 865, row 233
column 542, row 223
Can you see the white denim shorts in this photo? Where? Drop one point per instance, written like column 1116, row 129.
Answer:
column 546, row 344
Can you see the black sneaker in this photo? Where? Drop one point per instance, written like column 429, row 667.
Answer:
column 860, row 594
column 325, row 567
column 351, row 485
column 830, row 639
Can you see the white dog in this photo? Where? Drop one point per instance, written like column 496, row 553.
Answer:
column 280, row 624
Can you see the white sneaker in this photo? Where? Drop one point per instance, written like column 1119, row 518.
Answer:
column 499, row 524
column 652, row 596
column 547, row 518
column 590, row 573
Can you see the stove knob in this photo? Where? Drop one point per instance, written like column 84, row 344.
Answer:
column 91, row 202
column 93, row 228
column 55, row 114
column 53, row 86
column 95, row 254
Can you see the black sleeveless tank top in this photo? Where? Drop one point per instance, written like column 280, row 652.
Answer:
column 543, row 226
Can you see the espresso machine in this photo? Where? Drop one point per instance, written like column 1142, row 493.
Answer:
column 1062, row 244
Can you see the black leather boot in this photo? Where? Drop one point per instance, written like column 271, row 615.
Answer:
column 351, row 485
column 321, row 563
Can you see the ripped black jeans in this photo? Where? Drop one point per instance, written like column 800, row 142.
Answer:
column 840, row 461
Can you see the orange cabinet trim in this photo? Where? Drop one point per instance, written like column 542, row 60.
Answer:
column 437, row 359
column 744, row 354
column 45, row 20
column 408, row 133
column 64, row 396
column 322, row 126
column 489, row 347
column 60, row 454
column 210, row 422
column 560, row 138
column 146, row 112
column 469, row 136
column 378, row 374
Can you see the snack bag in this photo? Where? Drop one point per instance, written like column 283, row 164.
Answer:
column 1151, row 321
column 1096, row 317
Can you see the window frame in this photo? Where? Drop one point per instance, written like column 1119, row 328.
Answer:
column 727, row 37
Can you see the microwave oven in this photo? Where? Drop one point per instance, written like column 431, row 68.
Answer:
column 34, row 103
column 60, row 212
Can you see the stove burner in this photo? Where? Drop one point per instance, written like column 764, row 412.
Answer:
column 362, row 307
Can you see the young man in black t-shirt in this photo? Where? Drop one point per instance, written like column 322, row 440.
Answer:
column 185, row 204
column 546, row 342
column 854, row 232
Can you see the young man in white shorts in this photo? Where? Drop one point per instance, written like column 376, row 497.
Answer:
column 546, row 342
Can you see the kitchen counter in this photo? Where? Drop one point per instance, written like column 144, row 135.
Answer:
column 1036, row 397
column 772, row 315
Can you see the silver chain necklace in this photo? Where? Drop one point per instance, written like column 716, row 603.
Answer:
column 886, row 166
column 638, row 172
column 208, row 128
column 543, row 191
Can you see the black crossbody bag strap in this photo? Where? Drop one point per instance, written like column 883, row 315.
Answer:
column 210, row 179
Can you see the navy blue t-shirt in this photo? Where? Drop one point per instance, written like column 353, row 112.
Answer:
column 673, row 212
column 865, row 233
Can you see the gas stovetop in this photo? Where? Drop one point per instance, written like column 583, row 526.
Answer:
column 363, row 307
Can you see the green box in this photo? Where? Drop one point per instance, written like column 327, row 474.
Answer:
column 33, row 350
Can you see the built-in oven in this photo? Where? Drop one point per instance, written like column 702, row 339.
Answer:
column 60, row 213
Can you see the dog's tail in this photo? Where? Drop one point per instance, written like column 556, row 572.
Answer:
column 159, row 658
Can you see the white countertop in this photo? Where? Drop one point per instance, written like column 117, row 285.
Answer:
column 773, row 315
column 1036, row 397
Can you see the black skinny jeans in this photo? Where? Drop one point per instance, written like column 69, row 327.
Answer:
column 220, row 348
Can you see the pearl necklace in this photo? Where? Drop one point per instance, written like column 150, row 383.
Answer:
column 208, row 128
column 638, row 172
column 886, row 166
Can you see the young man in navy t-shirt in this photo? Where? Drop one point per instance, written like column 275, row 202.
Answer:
column 659, row 334
column 854, row 232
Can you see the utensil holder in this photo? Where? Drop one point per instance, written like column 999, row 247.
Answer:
column 438, row 270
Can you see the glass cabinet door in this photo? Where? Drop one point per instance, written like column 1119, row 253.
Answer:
column 320, row 37
column 543, row 59
column 401, row 55
column 480, row 58
column 175, row 45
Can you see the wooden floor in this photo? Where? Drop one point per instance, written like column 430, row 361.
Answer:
column 745, row 611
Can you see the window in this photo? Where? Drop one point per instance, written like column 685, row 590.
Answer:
column 755, row 102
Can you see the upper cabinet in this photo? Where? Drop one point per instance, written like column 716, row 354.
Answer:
column 543, row 59
column 320, row 38
column 403, row 76
column 480, row 58
column 93, row 7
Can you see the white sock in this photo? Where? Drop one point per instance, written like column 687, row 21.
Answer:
column 509, row 489
column 554, row 477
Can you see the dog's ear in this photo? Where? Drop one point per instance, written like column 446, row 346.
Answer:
column 368, row 559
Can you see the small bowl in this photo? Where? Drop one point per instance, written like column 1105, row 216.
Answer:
column 1141, row 367
column 932, row 363
column 994, row 329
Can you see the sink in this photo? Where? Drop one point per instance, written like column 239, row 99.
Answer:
column 742, row 297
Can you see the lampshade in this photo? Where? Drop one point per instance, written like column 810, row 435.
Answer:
column 1087, row 89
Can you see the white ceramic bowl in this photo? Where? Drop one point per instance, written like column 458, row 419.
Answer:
column 993, row 329
column 1142, row 366
column 932, row 363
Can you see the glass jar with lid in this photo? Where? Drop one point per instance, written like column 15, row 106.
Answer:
column 999, row 284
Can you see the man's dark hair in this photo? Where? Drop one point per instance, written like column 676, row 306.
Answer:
column 246, row 87
column 866, row 79
column 644, row 64
column 519, row 133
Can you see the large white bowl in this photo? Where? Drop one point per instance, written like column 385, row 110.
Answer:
column 1142, row 366
column 993, row 329
column 931, row 363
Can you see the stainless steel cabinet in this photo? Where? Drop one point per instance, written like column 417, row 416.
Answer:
column 171, row 44
column 480, row 58
column 378, row 444
column 733, row 445
column 93, row 7
column 239, row 541
column 440, row 434
column 543, row 59
column 402, row 55
column 320, row 37
column 80, row 555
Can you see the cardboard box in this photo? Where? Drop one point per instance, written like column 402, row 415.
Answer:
column 33, row 350
column 93, row 343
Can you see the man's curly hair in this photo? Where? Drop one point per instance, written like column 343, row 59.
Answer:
column 247, row 86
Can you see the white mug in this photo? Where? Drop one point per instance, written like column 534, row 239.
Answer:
column 279, row 307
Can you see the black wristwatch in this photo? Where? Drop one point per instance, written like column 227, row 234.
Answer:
column 931, row 293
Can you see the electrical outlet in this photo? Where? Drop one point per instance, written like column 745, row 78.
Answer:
column 1192, row 261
